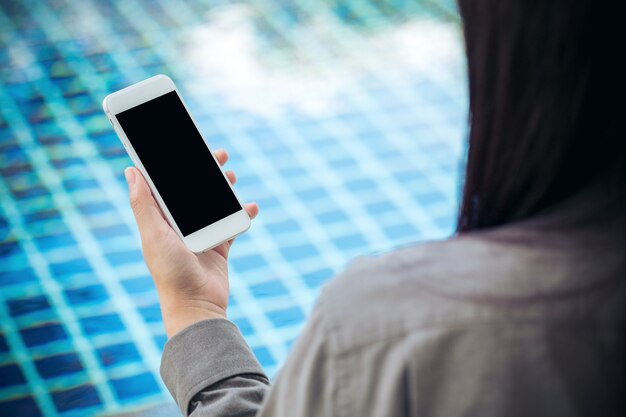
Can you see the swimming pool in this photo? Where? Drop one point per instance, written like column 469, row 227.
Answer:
column 344, row 121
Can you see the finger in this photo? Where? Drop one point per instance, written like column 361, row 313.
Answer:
column 147, row 212
column 221, row 155
column 252, row 209
column 231, row 177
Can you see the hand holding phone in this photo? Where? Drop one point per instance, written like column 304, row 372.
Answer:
column 191, row 286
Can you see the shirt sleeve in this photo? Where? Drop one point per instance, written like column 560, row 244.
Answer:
column 210, row 371
column 212, row 358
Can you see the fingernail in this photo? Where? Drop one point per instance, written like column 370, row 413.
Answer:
column 129, row 173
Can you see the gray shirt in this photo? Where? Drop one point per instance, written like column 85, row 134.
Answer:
column 526, row 319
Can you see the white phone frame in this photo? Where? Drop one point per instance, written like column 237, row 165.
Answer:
column 139, row 93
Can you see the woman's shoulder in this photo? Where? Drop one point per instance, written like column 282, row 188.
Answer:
column 499, row 276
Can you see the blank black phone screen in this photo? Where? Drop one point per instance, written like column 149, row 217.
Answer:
column 179, row 162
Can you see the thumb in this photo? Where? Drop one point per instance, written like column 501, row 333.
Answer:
column 147, row 213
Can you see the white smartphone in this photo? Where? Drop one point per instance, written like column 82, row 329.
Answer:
column 186, row 180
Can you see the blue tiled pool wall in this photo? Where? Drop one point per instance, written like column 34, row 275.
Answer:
column 373, row 166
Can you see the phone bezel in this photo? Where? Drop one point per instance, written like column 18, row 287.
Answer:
column 139, row 93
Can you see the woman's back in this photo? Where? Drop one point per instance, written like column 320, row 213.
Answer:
column 526, row 319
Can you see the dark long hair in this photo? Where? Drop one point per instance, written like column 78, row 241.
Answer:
column 543, row 118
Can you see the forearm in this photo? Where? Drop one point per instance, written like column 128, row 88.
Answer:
column 210, row 370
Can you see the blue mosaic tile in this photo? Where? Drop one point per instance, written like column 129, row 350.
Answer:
column 138, row 285
column 350, row 242
column 96, row 208
column 264, row 356
column 317, row 278
column 21, row 306
column 9, row 248
column 118, row 354
column 58, row 365
column 250, row 262
column 334, row 216
column 285, row 317
column 77, row 398
column 380, row 207
column 283, row 226
column 312, row 194
column 45, row 243
column 120, row 258
column 107, row 323
column 111, row 231
column 400, row 231
column 151, row 313
column 268, row 289
column 293, row 253
column 3, row 344
column 244, row 326
column 23, row 407
column 42, row 215
column 160, row 341
column 20, row 276
column 80, row 184
column 85, row 295
column 41, row 335
column 11, row 375
column 76, row 266
column 135, row 386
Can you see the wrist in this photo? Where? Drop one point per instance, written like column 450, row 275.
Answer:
column 178, row 316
